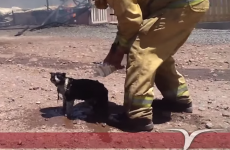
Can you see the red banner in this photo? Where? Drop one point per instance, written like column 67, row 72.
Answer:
column 111, row 140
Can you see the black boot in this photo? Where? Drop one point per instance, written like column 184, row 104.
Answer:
column 122, row 122
column 173, row 106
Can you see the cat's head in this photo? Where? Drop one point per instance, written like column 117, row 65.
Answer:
column 57, row 78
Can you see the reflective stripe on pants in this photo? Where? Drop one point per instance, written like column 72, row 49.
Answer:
column 142, row 101
column 182, row 90
column 139, row 101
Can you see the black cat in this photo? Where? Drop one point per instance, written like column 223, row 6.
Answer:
column 91, row 91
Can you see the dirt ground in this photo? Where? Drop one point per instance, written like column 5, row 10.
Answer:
column 29, row 100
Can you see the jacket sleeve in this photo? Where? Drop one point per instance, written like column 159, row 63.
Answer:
column 129, row 18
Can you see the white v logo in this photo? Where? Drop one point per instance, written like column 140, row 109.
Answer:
column 188, row 139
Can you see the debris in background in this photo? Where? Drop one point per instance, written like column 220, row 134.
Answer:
column 49, row 16
column 21, row 32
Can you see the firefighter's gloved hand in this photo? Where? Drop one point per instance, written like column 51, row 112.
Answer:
column 115, row 56
column 101, row 4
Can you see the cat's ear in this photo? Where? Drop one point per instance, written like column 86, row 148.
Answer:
column 51, row 73
column 64, row 74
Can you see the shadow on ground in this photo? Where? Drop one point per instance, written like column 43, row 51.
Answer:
column 91, row 122
column 81, row 110
column 52, row 117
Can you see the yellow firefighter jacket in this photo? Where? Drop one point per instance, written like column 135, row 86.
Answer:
column 130, row 14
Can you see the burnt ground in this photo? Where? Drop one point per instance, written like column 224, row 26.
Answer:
column 29, row 100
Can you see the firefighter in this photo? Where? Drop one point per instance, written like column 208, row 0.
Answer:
column 150, row 32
